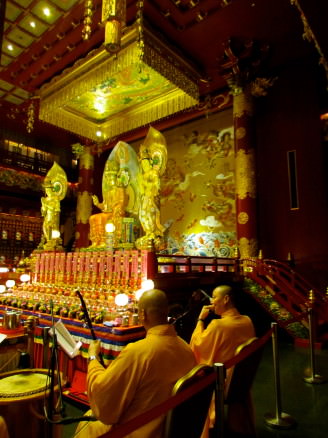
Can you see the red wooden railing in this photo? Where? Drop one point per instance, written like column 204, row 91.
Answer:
column 288, row 288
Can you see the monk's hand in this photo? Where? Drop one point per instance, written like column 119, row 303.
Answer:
column 205, row 311
column 94, row 348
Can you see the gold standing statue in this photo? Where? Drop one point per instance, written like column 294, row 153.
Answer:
column 153, row 158
column 55, row 186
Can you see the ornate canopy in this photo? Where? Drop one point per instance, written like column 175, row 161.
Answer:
column 104, row 95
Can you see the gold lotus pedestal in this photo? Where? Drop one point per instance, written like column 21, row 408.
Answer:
column 105, row 95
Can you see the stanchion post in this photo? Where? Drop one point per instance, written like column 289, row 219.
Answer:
column 45, row 340
column 313, row 378
column 280, row 420
column 219, row 399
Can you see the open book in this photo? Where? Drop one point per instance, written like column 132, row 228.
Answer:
column 65, row 339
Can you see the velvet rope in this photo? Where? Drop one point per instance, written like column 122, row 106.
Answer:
column 160, row 409
column 172, row 402
column 245, row 353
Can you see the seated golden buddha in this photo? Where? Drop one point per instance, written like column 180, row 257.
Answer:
column 113, row 207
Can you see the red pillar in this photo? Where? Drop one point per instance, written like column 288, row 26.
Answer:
column 84, row 198
column 245, row 173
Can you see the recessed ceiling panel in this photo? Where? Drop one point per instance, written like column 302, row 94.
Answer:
column 64, row 4
column 11, row 49
column 46, row 12
column 12, row 12
column 5, row 60
column 24, row 3
column 5, row 85
column 13, row 99
column 21, row 93
column 33, row 25
column 20, row 37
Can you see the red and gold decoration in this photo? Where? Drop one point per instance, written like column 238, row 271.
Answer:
column 87, row 20
column 84, row 199
column 104, row 95
column 241, row 69
column 245, row 175
column 113, row 16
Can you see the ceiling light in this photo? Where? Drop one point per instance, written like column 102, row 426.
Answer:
column 46, row 12
column 98, row 133
column 32, row 24
column 10, row 47
column 99, row 104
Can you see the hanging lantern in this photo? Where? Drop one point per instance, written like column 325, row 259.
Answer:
column 87, row 20
column 113, row 16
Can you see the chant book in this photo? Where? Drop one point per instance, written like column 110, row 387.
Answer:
column 65, row 339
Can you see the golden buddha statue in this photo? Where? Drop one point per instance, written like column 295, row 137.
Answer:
column 55, row 186
column 112, row 208
column 152, row 158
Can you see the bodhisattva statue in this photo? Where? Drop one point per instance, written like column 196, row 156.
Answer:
column 55, row 186
column 113, row 206
column 152, row 158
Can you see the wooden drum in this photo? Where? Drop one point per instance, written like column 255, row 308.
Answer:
column 22, row 395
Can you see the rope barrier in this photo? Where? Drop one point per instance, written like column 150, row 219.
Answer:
column 160, row 409
column 144, row 418
column 245, row 353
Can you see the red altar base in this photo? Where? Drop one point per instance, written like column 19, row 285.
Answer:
column 113, row 340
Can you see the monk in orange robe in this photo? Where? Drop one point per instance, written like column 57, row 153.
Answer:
column 141, row 377
column 219, row 340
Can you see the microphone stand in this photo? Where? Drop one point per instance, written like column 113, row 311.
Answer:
column 54, row 367
column 88, row 320
column 51, row 411
column 179, row 318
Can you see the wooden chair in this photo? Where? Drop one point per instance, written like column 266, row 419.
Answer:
column 240, row 421
column 187, row 419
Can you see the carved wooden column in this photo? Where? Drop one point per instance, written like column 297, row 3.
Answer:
column 84, row 198
column 240, row 66
column 245, row 169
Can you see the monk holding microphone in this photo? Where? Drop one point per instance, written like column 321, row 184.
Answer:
column 218, row 341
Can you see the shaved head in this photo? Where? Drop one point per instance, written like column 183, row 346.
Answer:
column 223, row 290
column 153, row 308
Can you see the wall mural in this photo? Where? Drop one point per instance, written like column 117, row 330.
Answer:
column 198, row 188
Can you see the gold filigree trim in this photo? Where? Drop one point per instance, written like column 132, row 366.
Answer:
column 92, row 71
column 247, row 247
column 245, row 174
column 242, row 104
column 243, row 218
column 240, row 133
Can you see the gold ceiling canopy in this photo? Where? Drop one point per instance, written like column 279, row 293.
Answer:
column 105, row 95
